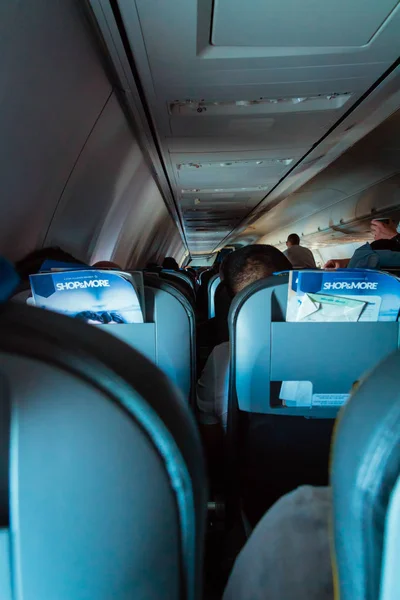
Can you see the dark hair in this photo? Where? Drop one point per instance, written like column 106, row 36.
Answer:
column 222, row 254
column 106, row 264
column 294, row 239
column 170, row 264
column 250, row 264
column 32, row 262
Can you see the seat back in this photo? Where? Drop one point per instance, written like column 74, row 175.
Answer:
column 201, row 274
column 186, row 277
column 286, row 446
column 366, row 488
column 180, row 282
column 175, row 333
column 212, row 287
column 266, row 350
column 105, row 467
column 156, row 339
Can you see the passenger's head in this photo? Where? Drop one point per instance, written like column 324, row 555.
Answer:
column 219, row 259
column 170, row 264
column 106, row 264
column 32, row 262
column 293, row 240
column 251, row 263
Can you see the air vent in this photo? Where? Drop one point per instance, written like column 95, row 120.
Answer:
column 261, row 106
column 262, row 162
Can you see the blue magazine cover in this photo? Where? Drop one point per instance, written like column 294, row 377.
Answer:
column 343, row 295
column 94, row 296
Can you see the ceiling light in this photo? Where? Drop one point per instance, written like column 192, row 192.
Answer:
column 255, row 188
column 201, row 108
column 266, row 162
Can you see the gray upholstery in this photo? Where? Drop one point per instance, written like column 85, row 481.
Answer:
column 170, row 317
column 5, row 566
column 212, row 287
column 274, row 448
column 107, row 493
column 188, row 279
column 175, row 330
column 365, row 475
column 266, row 349
column 183, row 281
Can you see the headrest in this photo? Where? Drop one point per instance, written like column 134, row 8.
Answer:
column 365, row 469
column 107, row 490
column 9, row 279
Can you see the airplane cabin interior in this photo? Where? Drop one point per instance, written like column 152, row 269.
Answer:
column 189, row 407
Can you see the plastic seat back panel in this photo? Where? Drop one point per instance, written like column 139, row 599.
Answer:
column 79, row 493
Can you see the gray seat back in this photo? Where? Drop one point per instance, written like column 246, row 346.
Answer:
column 212, row 287
column 175, row 333
column 188, row 279
column 106, row 477
column 266, row 349
column 281, row 447
column 169, row 317
column 366, row 488
column 184, row 282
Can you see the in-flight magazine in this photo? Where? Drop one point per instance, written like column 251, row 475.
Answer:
column 94, row 296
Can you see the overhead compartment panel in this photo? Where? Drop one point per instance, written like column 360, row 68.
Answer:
column 291, row 23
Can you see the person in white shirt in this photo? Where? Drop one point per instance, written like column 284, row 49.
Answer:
column 287, row 557
column 299, row 256
column 239, row 269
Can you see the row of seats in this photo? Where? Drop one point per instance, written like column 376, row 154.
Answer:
column 103, row 491
column 259, row 428
column 273, row 448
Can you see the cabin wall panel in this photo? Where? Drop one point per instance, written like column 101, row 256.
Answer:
column 111, row 207
column 72, row 172
column 53, row 89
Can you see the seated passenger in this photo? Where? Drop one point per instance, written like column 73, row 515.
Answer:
column 32, row 262
column 287, row 557
column 214, row 331
column 299, row 256
column 170, row 264
column 240, row 269
column 106, row 264
column 385, row 238
column 153, row 267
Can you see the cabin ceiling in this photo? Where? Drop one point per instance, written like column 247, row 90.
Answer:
column 336, row 206
column 240, row 91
